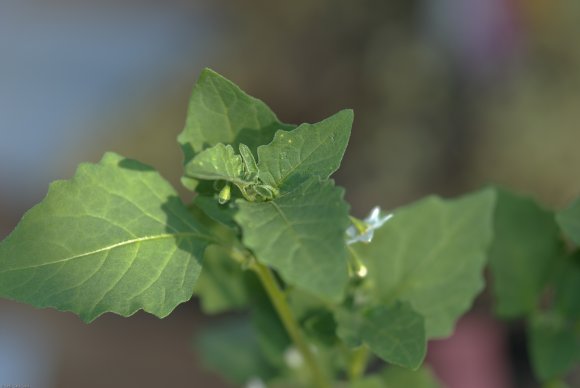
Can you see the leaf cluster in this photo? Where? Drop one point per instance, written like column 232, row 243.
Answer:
column 266, row 233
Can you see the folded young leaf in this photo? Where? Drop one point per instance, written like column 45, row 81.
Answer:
column 115, row 238
column 301, row 234
column 525, row 248
column 219, row 162
column 432, row 254
column 307, row 151
column 220, row 112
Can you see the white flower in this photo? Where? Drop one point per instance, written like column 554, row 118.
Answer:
column 293, row 358
column 255, row 383
column 365, row 231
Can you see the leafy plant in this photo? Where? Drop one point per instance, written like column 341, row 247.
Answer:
column 273, row 235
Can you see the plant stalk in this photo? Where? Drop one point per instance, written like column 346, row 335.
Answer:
column 358, row 363
column 278, row 299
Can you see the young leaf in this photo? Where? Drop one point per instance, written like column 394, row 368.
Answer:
column 115, row 238
column 219, row 162
column 432, row 254
column 309, row 150
column 220, row 112
column 569, row 221
column 301, row 234
column 395, row 333
column 526, row 246
column 554, row 346
column 249, row 160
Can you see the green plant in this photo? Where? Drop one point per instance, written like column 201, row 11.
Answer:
column 275, row 237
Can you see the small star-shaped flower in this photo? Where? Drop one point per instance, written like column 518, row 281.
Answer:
column 366, row 231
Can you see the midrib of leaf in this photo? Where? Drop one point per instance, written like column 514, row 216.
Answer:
column 116, row 245
column 286, row 221
column 225, row 111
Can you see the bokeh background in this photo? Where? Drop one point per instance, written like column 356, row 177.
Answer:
column 449, row 96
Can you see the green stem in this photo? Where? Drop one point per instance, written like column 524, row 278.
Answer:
column 358, row 363
column 278, row 299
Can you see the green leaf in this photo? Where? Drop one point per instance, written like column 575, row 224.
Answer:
column 115, row 238
column 569, row 221
column 525, row 248
column 395, row 377
column 301, row 234
column 233, row 349
column 219, row 162
column 309, row 150
column 567, row 288
column 222, row 285
column 224, row 214
column 220, row 112
column 431, row 254
column 320, row 326
column 554, row 345
column 348, row 327
column 395, row 333
column 369, row 382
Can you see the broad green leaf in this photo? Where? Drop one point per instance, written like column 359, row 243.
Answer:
column 220, row 112
column 395, row 333
column 431, row 254
column 219, row 162
column 301, row 234
column 569, row 221
column 554, row 345
column 309, row 150
column 526, row 246
column 115, row 238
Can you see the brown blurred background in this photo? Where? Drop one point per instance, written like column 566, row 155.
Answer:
column 448, row 96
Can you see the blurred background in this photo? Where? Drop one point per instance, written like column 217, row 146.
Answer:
column 448, row 96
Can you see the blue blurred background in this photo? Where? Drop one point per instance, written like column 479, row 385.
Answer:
column 448, row 96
